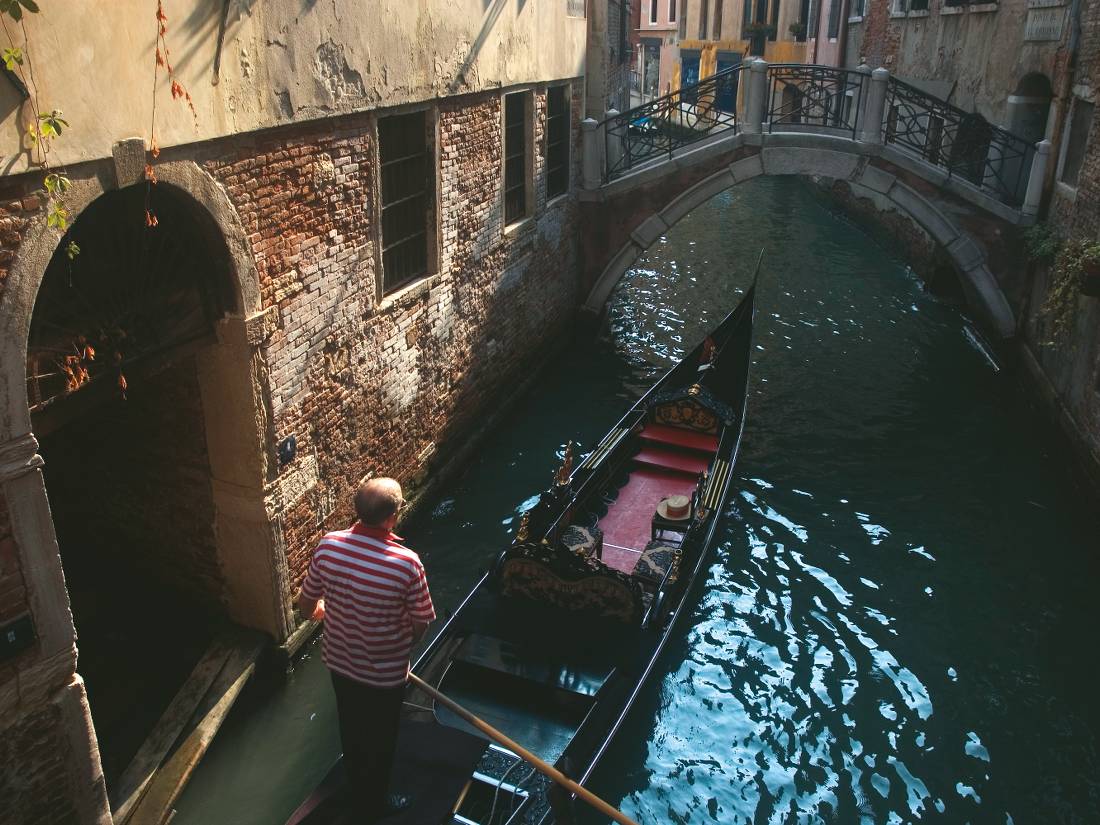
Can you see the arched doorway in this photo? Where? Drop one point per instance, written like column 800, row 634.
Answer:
column 138, row 373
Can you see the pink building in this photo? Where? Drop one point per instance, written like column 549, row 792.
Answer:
column 657, row 32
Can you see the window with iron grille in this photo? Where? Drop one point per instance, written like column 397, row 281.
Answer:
column 406, row 197
column 834, row 20
column 515, row 156
column 557, row 141
column 653, row 11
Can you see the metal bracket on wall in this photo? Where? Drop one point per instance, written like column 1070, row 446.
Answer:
column 14, row 80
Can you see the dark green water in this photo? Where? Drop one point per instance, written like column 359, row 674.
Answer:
column 900, row 621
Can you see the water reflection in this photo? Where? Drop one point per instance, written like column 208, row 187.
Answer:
column 867, row 647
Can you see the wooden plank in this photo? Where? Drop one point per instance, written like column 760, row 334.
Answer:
column 135, row 779
column 156, row 804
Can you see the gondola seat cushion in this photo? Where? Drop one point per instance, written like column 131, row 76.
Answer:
column 654, row 562
column 553, row 576
column 584, row 541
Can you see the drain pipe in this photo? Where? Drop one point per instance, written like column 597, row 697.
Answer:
column 1064, row 92
column 842, row 38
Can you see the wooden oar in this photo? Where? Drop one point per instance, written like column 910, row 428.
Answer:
column 541, row 766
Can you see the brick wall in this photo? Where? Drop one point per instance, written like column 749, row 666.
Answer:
column 13, row 590
column 876, row 40
column 35, row 786
column 384, row 388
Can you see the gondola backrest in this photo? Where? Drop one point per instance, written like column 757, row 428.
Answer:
column 690, row 408
column 553, row 576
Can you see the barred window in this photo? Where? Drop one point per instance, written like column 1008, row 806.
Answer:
column 403, row 156
column 557, row 141
column 515, row 156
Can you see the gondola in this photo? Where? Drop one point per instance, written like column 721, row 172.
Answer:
column 555, row 641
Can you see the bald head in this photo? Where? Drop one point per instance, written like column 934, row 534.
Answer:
column 377, row 502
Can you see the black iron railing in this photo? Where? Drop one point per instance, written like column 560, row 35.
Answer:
column 664, row 124
column 828, row 100
column 814, row 98
column 962, row 143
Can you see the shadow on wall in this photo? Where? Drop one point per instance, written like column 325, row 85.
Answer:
column 492, row 14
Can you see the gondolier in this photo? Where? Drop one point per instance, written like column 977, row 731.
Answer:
column 373, row 595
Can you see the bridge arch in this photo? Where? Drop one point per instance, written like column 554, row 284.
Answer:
column 633, row 212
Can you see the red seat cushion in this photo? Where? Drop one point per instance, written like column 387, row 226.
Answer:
column 676, row 437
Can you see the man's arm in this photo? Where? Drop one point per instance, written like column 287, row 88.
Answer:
column 418, row 603
column 418, row 631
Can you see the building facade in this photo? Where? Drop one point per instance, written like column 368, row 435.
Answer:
column 1032, row 68
column 344, row 240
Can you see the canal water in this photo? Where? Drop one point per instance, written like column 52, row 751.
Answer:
column 900, row 621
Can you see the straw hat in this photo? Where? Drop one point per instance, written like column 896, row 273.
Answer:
column 675, row 508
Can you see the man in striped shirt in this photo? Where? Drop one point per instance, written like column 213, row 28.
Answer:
column 373, row 596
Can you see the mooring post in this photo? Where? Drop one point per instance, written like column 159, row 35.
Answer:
column 876, row 105
column 591, row 168
column 1038, row 175
column 614, row 140
column 994, row 161
column 757, row 97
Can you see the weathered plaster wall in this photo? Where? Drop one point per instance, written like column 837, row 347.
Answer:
column 1066, row 372
column 282, row 61
column 972, row 56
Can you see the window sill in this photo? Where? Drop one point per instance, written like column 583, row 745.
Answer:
column 557, row 199
column 953, row 10
column 898, row 15
column 919, row 13
column 1066, row 191
column 855, row 20
column 411, row 291
column 518, row 226
column 983, row 7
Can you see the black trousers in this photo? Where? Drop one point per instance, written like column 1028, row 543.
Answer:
column 369, row 718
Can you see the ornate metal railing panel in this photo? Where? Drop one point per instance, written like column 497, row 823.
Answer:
column 963, row 143
column 814, row 98
column 664, row 124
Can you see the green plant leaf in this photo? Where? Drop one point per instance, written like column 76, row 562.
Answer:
column 72, row 250
column 58, row 216
column 15, row 11
column 12, row 57
column 30, row 6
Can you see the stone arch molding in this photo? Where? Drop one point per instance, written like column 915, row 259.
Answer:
column 40, row 241
column 234, row 385
column 983, row 291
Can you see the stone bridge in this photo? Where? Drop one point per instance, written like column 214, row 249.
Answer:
column 969, row 185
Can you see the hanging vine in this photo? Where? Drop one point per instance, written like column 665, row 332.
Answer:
column 179, row 92
column 44, row 127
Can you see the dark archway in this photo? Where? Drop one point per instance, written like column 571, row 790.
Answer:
column 113, row 361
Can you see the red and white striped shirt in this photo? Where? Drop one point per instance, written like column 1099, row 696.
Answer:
column 374, row 589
